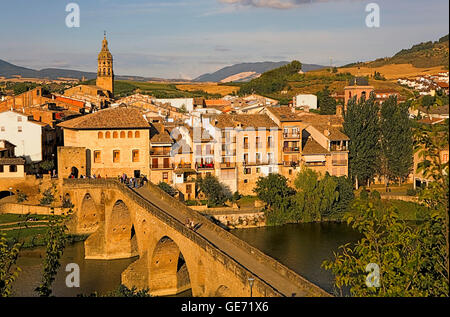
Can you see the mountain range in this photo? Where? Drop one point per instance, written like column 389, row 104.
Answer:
column 238, row 73
column 9, row 70
column 247, row 71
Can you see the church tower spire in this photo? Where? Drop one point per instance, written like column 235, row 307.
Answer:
column 105, row 73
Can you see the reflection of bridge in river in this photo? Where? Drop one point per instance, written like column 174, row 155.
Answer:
column 172, row 258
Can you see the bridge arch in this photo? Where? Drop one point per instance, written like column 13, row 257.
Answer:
column 168, row 270
column 5, row 193
column 89, row 216
column 120, row 232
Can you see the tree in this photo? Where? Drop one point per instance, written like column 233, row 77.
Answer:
column 48, row 196
column 216, row 193
column 273, row 190
column 428, row 143
column 47, row 165
column 410, row 260
column 314, row 198
column 8, row 270
column 396, row 140
column 346, row 194
column 167, row 188
column 362, row 127
column 278, row 196
column 326, row 103
column 55, row 239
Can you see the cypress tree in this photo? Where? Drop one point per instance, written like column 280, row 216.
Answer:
column 396, row 140
column 361, row 124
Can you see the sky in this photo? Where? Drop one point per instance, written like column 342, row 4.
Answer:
column 187, row 38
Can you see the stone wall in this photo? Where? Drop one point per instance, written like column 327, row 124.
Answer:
column 22, row 209
column 69, row 157
column 242, row 220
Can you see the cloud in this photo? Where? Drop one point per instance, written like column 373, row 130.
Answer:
column 273, row 4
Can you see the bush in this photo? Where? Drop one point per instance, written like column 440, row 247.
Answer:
column 375, row 195
column 236, row 196
column 364, row 194
column 167, row 188
column 411, row 192
column 216, row 193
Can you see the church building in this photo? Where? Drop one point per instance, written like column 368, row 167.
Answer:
column 101, row 94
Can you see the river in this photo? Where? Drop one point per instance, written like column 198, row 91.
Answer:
column 301, row 247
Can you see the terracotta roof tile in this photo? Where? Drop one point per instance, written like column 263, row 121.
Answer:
column 113, row 118
column 310, row 146
column 245, row 120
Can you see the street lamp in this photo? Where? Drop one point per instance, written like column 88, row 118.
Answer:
column 10, row 191
column 251, row 280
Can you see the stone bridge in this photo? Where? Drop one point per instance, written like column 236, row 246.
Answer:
column 150, row 225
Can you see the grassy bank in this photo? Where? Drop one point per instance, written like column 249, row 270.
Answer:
column 28, row 229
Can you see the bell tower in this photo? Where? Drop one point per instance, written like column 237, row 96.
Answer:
column 105, row 73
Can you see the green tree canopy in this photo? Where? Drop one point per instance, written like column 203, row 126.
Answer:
column 396, row 140
column 326, row 103
column 362, row 127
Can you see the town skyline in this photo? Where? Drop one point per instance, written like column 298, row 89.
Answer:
column 149, row 43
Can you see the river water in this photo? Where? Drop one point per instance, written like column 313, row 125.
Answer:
column 95, row 275
column 301, row 247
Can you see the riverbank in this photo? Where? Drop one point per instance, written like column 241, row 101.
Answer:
column 407, row 211
column 29, row 230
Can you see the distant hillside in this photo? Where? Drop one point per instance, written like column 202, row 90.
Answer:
column 247, row 71
column 423, row 55
column 9, row 70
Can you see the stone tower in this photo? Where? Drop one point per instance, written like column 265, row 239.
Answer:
column 105, row 74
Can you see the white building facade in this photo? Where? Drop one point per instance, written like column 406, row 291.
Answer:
column 25, row 134
column 306, row 100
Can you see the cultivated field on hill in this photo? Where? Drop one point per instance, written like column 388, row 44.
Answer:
column 394, row 71
column 210, row 88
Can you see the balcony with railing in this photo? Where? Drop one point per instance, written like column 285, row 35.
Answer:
column 291, row 135
column 291, row 149
column 313, row 164
column 163, row 166
column 184, row 165
column 338, row 147
column 291, row 163
column 340, row 162
column 229, row 140
column 229, row 153
column 205, row 153
column 226, row 165
column 160, row 151
column 204, row 166
column 255, row 162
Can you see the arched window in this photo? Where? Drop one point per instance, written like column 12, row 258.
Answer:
column 122, row 134
column 130, row 134
column 108, row 135
column 137, row 134
column 100, row 135
column 115, row 135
